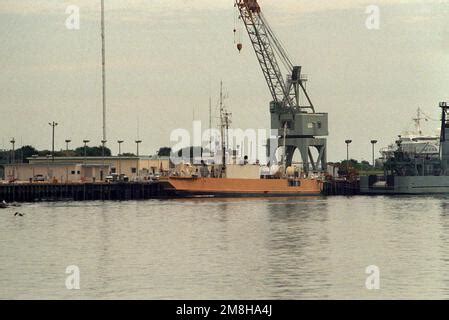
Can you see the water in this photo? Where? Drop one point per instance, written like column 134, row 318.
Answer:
column 228, row 249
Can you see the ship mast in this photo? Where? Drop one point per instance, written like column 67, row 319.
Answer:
column 224, row 128
column 418, row 121
column 223, row 142
column 210, row 125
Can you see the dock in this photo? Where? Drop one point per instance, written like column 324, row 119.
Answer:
column 33, row 192
column 341, row 187
column 36, row 192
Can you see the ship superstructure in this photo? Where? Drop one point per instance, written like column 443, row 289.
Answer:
column 414, row 143
column 414, row 173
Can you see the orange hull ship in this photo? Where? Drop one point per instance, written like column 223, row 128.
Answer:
column 225, row 187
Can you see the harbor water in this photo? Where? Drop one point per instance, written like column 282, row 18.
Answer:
column 305, row 248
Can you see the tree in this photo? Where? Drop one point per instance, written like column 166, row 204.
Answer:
column 92, row 151
column 20, row 155
column 164, row 152
column 25, row 152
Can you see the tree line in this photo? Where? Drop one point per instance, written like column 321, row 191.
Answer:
column 21, row 154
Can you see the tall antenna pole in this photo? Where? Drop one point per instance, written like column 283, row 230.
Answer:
column 222, row 125
column 210, row 124
column 103, row 64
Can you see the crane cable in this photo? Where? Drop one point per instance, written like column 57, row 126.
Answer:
column 428, row 117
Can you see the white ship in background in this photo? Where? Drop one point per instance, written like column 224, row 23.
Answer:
column 419, row 170
column 415, row 143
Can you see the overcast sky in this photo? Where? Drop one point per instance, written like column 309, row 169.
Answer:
column 166, row 57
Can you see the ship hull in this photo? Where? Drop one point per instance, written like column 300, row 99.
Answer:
column 407, row 185
column 223, row 187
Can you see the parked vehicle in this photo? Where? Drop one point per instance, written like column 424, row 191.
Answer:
column 154, row 176
column 115, row 177
column 38, row 178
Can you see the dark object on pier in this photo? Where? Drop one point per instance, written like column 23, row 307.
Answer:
column 341, row 187
column 19, row 214
column 32, row 192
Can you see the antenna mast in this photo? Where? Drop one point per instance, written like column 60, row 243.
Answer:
column 103, row 65
column 222, row 126
column 210, row 124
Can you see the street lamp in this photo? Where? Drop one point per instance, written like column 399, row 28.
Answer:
column 373, row 142
column 85, row 149
column 348, row 142
column 103, row 143
column 119, row 157
column 53, row 125
column 67, row 141
column 137, row 144
column 13, row 156
column 48, row 166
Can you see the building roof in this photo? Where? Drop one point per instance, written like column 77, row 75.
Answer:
column 54, row 164
column 81, row 159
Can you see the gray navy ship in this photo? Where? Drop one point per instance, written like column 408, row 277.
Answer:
column 414, row 173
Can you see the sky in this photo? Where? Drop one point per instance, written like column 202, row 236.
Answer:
column 165, row 58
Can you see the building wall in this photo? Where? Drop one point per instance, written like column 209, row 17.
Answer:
column 127, row 166
column 57, row 172
column 243, row 172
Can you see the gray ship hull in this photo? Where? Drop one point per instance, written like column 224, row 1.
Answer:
column 405, row 185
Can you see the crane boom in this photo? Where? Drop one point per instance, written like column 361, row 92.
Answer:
column 269, row 50
column 297, row 128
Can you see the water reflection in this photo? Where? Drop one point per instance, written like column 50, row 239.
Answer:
column 295, row 227
column 229, row 248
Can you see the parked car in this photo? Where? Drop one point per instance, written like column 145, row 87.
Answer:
column 114, row 177
column 38, row 178
column 154, row 176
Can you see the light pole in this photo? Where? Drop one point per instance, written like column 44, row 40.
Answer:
column 103, row 143
column 85, row 150
column 373, row 142
column 48, row 166
column 67, row 141
column 13, row 142
column 53, row 125
column 119, row 157
column 13, row 158
column 137, row 144
column 348, row 142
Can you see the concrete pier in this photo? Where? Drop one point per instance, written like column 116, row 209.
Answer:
column 31, row 192
column 341, row 188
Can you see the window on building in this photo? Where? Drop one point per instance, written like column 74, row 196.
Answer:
column 113, row 170
column 133, row 170
column 73, row 172
column 78, row 172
